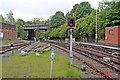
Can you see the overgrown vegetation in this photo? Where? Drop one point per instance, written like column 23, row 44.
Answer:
column 20, row 32
column 4, row 42
column 31, row 66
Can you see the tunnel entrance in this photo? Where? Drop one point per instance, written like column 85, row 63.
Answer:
column 31, row 34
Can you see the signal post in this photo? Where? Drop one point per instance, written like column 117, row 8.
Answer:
column 71, row 25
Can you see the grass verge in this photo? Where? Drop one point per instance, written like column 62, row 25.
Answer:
column 31, row 66
column 8, row 41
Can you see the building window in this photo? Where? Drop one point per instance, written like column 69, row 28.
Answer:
column 110, row 32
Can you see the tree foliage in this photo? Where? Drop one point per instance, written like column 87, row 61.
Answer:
column 113, row 14
column 10, row 19
column 20, row 32
column 86, row 26
column 1, row 19
column 80, row 10
column 60, row 32
column 57, row 20
column 39, row 21
column 108, row 14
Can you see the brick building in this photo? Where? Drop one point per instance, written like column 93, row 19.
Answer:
column 9, row 31
column 112, row 35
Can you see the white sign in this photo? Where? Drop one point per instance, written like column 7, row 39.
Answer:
column 1, row 34
column 52, row 54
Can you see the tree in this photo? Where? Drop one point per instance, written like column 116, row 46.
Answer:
column 109, row 12
column 108, row 15
column 29, row 22
column 37, row 20
column 60, row 32
column 63, row 31
column 81, row 10
column 10, row 18
column 1, row 19
column 20, row 22
column 57, row 20
column 113, row 14
column 20, row 32
column 86, row 27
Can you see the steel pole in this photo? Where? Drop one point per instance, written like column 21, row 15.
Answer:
column 52, row 57
column 71, row 51
column 96, row 35
column 51, row 68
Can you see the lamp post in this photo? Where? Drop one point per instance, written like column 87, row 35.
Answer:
column 96, row 30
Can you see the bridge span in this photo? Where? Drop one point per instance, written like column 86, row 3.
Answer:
column 34, row 30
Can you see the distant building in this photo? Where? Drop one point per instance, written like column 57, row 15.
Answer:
column 112, row 35
column 8, row 31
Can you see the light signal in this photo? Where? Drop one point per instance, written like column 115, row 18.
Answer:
column 71, row 22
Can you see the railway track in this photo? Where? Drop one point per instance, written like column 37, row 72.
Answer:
column 86, row 53
column 7, row 48
column 99, row 56
column 114, row 60
column 36, row 48
column 100, row 67
column 93, row 52
column 105, row 50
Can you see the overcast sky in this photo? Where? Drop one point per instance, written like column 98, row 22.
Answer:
column 28, row 9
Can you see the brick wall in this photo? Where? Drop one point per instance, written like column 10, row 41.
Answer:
column 112, row 35
column 9, row 31
column 119, row 35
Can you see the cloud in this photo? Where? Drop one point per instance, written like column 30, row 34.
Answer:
column 27, row 9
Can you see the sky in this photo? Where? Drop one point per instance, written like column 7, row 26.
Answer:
column 29, row 9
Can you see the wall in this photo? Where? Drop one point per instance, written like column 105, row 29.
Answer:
column 112, row 35
column 119, row 35
column 9, row 31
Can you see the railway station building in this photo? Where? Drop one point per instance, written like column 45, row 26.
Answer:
column 8, row 31
column 112, row 35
